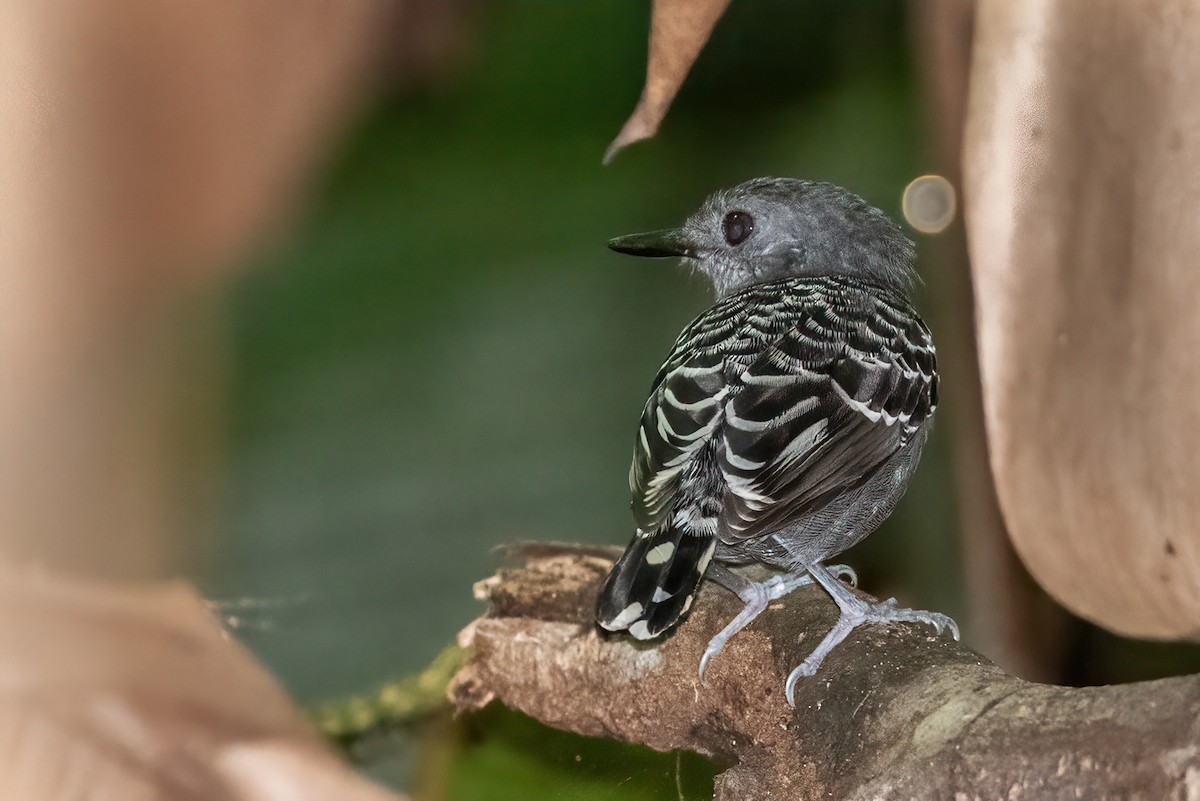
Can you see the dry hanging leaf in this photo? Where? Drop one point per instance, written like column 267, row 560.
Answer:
column 1081, row 155
column 135, row 693
column 678, row 30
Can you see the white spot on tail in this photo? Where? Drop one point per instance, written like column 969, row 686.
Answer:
column 660, row 553
column 660, row 595
column 641, row 631
column 627, row 616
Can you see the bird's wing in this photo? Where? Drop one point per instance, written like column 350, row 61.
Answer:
column 821, row 409
column 685, row 407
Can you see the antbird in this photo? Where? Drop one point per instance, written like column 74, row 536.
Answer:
column 786, row 422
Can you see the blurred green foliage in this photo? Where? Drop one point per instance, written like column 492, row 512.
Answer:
column 500, row 755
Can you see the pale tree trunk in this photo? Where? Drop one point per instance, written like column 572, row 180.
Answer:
column 1082, row 157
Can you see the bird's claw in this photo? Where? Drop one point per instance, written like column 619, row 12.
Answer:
column 845, row 572
column 891, row 613
column 709, row 653
column 942, row 622
column 757, row 596
column 854, row 615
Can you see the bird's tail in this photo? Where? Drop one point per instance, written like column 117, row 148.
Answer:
column 654, row 582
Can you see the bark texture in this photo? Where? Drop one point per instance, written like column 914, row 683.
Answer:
column 894, row 713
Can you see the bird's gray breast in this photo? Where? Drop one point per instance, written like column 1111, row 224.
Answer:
column 840, row 525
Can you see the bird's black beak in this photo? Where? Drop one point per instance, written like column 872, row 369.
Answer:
column 656, row 244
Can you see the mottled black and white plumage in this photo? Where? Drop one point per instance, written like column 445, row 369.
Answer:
column 786, row 422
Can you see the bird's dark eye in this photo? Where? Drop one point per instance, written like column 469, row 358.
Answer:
column 738, row 226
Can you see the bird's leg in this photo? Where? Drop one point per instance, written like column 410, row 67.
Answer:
column 756, row 595
column 854, row 612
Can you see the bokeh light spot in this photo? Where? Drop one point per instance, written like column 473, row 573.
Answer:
column 929, row 204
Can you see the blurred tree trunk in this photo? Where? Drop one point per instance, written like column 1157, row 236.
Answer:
column 1011, row 619
column 142, row 150
column 1082, row 152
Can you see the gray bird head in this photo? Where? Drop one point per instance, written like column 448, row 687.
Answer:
column 771, row 228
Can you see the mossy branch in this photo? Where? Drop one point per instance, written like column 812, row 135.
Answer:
column 395, row 705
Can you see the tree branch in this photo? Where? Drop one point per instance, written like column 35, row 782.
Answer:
column 893, row 713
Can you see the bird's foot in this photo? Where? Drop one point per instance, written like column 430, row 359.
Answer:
column 856, row 612
column 756, row 595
